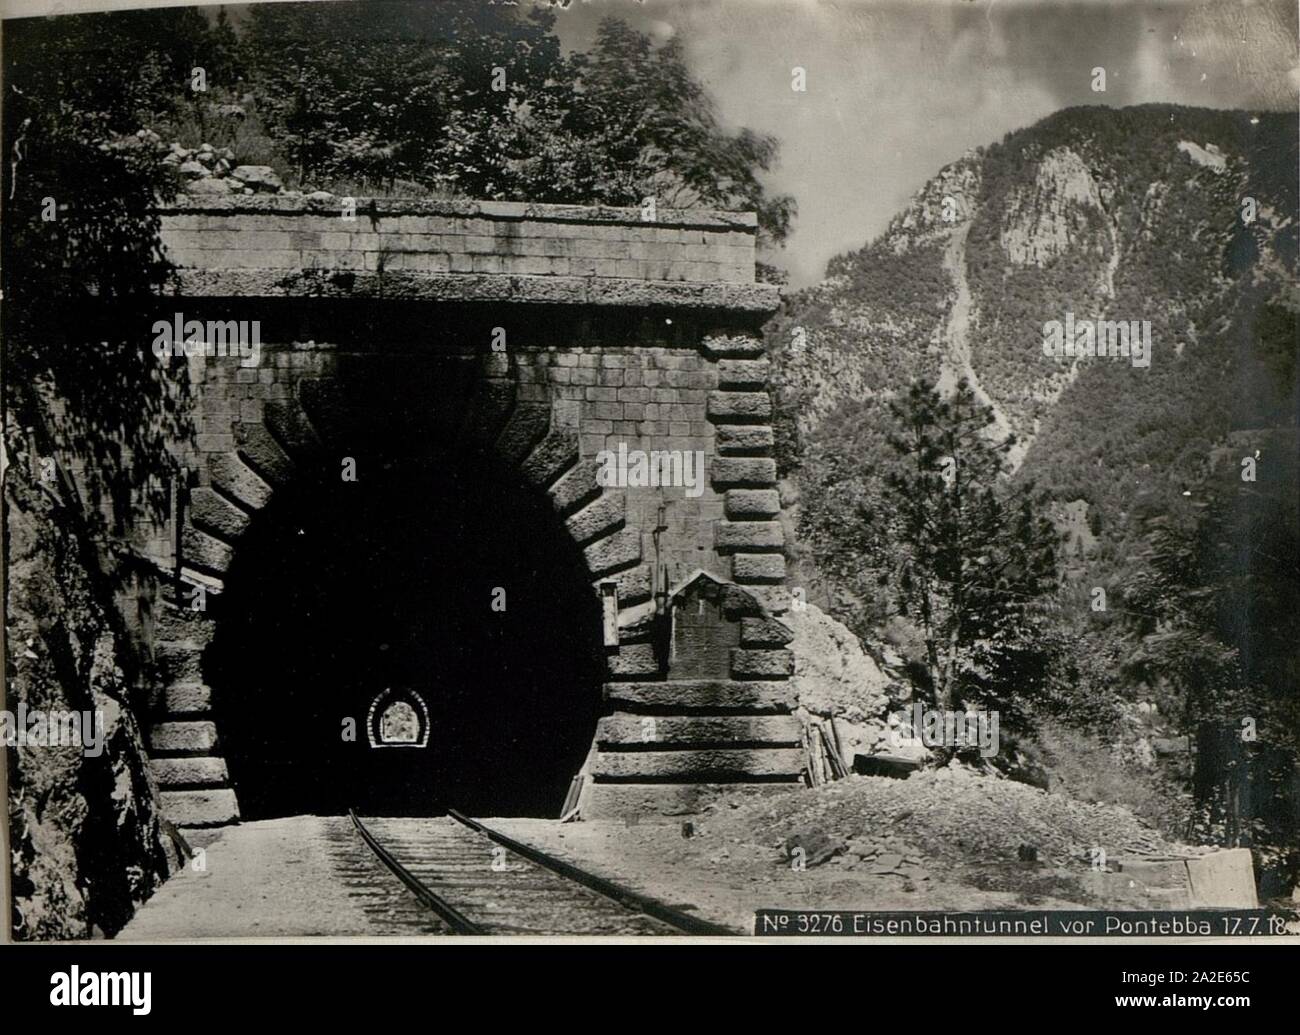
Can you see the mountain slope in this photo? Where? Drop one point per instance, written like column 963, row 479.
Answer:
column 1137, row 214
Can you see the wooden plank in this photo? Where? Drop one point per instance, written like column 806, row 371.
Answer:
column 707, row 764
column 573, row 795
column 625, row 728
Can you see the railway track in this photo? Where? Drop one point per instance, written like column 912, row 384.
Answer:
column 475, row 880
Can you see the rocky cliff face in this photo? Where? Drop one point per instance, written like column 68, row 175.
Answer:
column 1182, row 219
column 86, row 842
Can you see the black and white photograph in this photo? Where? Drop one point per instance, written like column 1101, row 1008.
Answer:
column 648, row 471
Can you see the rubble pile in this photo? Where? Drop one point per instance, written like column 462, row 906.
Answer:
column 951, row 817
column 209, row 170
column 836, row 680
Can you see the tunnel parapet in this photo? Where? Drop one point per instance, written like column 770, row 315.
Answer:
column 621, row 337
column 464, row 251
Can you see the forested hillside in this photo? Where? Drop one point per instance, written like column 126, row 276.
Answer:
column 1140, row 214
column 1181, row 218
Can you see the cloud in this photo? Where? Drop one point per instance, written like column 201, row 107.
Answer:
column 897, row 91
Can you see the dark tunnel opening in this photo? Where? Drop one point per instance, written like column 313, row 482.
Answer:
column 342, row 591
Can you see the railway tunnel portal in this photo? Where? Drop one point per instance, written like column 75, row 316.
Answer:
column 404, row 569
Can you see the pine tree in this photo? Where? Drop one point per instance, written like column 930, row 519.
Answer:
column 973, row 555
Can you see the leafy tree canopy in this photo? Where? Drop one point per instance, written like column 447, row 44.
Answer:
column 480, row 101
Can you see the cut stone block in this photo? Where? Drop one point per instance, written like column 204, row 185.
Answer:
column 722, row 345
column 198, row 737
column 748, row 535
column 708, row 764
column 695, row 730
column 743, row 373
column 749, row 504
column 664, row 800
column 180, row 627
column 238, row 480
column 575, row 487
column 212, row 512
column 212, row 808
column 603, row 515
column 212, row 584
column 527, row 426
column 718, row 695
column 634, row 585
column 1223, row 880
column 193, row 698
column 491, row 407
column 758, row 567
column 622, row 549
column 205, row 551
column 764, row 632
column 739, row 406
column 190, row 772
column 775, row 599
column 180, row 662
column 743, row 470
column 634, row 660
column 761, row 664
column 551, row 457
column 290, row 425
column 263, row 453
column 733, row 439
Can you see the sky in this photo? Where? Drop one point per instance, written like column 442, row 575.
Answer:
column 896, row 89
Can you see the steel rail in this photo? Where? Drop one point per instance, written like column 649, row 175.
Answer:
column 624, row 897
column 457, row 920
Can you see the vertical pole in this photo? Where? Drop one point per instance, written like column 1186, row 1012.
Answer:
column 6, row 856
column 609, row 612
column 659, row 572
column 179, row 484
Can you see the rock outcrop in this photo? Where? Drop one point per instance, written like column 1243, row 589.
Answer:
column 87, row 845
column 834, row 678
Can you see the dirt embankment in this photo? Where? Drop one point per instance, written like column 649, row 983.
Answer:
column 940, row 840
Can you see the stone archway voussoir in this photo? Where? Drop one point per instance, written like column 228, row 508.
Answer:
column 551, row 457
column 264, row 454
column 634, row 585
column 526, row 427
column 290, row 425
column 576, row 487
column 620, row 550
column 238, row 481
column 205, row 551
column 604, row 515
column 212, row 512
column 489, row 411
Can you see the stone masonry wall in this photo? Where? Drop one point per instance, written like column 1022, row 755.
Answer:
column 620, row 331
column 500, row 237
